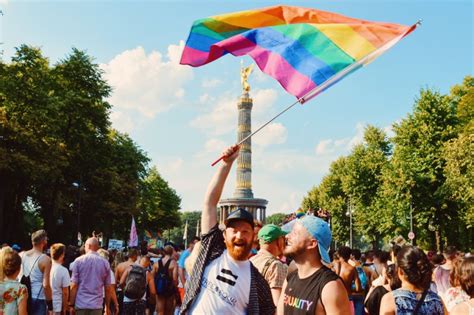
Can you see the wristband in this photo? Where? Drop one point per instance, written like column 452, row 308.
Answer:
column 49, row 303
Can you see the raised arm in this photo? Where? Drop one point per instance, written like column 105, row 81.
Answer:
column 214, row 190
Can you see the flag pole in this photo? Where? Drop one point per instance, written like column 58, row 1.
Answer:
column 367, row 58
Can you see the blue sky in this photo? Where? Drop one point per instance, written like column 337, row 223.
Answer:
column 183, row 117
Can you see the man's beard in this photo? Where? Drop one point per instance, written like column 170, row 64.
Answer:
column 238, row 252
column 294, row 251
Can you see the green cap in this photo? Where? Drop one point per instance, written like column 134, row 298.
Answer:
column 270, row 232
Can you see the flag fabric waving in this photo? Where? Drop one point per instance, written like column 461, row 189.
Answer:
column 303, row 49
column 133, row 242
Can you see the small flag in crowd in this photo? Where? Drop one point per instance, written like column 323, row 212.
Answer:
column 133, row 235
column 185, row 234
column 198, row 225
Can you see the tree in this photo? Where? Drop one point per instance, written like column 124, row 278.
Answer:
column 276, row 218
column 159, row 203
column 177, row 233
column 330, row 195
column 362, row 182
column 61, row 164
column 418, row 157
column 459, row 155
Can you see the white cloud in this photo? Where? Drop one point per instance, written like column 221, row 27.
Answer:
column 274, row 133
column 340, row 146
column 323, row 147
column 221, row 119
column 263, row 101
column 175, row 165
column 4, row 2
column 203, row 99
column 358, row 137
column 389, row 130
column 210, row 83
column 147, row 83
column 121, row 121
column 215, row 146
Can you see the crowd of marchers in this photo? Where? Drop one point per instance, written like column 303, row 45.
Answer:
column 237, row 267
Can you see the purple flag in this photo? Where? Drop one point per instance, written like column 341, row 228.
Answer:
column 133, row 242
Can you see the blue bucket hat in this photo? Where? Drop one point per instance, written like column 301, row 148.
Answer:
column 317, row 228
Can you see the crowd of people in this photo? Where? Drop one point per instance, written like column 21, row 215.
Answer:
column 238, row 267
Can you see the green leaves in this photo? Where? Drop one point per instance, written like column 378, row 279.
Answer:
column 428, row 164
column 55, row 131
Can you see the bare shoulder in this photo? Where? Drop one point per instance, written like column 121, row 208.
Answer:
column 333, row 287
column 335, row 299
column 44, row 261
column 460, row 309
column 387, row 304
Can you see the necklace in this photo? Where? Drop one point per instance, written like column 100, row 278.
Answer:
column 412, row 288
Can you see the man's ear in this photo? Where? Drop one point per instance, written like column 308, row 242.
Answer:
column 312, row 243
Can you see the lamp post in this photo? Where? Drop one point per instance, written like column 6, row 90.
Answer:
column 349, row 213
column 77, row 185
column 411, row 223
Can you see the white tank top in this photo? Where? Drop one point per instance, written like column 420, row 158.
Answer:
column 36, row 276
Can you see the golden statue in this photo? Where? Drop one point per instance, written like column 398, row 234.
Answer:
column 244, row 75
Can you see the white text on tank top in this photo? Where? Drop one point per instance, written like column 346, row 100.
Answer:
column 36, row 276
column 225, row 287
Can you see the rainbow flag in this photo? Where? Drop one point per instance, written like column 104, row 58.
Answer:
column 306, row 50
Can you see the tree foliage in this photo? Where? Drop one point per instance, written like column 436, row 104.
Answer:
column 427, row 166
column 62, row 166
column 276, row 218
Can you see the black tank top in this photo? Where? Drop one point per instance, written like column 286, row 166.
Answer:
column 301, row 296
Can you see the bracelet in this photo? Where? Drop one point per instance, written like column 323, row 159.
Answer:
column 49, row 303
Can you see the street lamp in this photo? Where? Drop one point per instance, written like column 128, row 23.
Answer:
column 77, row 185
column 412, row 235
column 349, row 213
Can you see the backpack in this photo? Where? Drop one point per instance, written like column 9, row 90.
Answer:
column 26, row 281
column 362, row 277
column 163, row 283
column 135, row 284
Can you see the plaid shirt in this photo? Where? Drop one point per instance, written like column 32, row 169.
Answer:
column 212, row 246
column 276, row 271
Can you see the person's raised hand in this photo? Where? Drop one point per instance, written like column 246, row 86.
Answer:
column 230, row 154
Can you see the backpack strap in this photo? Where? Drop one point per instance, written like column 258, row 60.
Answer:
column 34, row 264
column 167, row 265
column 420, row 302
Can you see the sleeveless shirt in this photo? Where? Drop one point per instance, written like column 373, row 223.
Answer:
column 405, row 302
column 301, row 296
column 30, row 267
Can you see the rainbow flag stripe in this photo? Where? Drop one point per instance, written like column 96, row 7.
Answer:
column 301, row 48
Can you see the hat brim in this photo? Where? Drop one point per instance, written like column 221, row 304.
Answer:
column 323, row 252
column 228, row 221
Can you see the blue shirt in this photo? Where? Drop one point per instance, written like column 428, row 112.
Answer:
column 183, row 257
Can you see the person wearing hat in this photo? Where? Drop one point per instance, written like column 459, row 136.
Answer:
column 272, row 243
column 222, row 280
column 313, row 288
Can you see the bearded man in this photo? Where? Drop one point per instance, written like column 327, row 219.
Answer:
column 222, row 279
column 313, row 288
